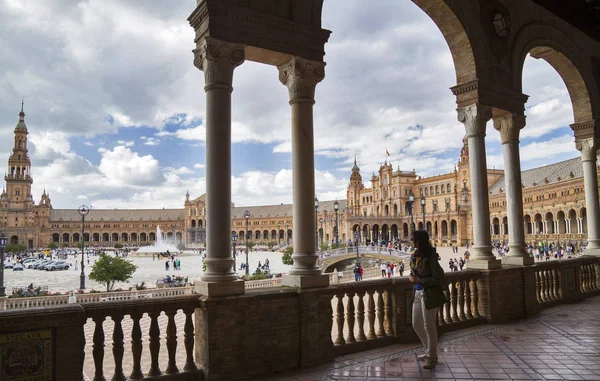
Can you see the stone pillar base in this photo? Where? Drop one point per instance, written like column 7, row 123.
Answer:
column 236, row 287
column 519, row 261
column 484, row 264
column 306, row 281
column 592, row 251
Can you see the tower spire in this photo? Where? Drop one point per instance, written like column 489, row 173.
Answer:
column 22, row 113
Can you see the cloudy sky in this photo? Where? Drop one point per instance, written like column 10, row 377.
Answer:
column 115, row 106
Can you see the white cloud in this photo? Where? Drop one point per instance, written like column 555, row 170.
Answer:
column 122, row 166
column 199, row 166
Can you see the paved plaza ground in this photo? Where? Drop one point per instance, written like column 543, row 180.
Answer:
column 561, row 343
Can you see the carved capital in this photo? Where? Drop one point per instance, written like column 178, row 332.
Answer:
column 475, row 118
column 301, row 76
column 588, row 149
column 217, row 59
column 509, row 126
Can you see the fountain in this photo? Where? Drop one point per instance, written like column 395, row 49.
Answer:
column 161, row 245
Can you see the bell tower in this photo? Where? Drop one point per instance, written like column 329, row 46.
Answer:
column 18, row 179
column 354, row 188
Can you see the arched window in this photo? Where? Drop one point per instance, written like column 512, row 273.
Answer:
column 443, row 189
column 426, row 192
column 437, row 189
column 448, row 187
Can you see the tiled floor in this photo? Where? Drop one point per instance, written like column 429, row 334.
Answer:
column 562, row 343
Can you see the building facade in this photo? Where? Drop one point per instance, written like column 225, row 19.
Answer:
column 553, row 199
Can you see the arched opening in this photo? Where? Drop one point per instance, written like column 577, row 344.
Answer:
column 444, row 230
column 435, row 231
column 193, row 224
column 405, row 231
column 386, row 210
column 549, row 223
column 573, row 222
column 495, row 226
column 105, row 237
column 200, row 223
column 76, row 237
column 395, row 210
column 394, row 231
column 539, row 229
column 365, row 233
column 289, row 235
column 375, row 232
column 257, row 235
column 178, row 237
column 55, row 237
column 152, row 237
column 66, row 237
column 562, row 226
column 583, row 216
column 14, row 240
column 453, row 230
column 505, row 225
column 385, row 232
column 528, row 224
column 274, row 234
column 124, row 237
column 115, row 237
column 428, row 227
column 134, row 237
column 143, row 237
column 420, row 225
column 96, row 237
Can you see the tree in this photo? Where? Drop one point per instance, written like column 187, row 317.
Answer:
column 15, row 248
column 249, row 246
column 52, row 246
column 324, row 246
column 286, row 258
column 118, row 246
column 109, row 270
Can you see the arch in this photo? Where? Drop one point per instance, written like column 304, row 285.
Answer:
column 124, row 237
column 257, row 234
column 453, row 229
column 385, row 232
column 200, row 224
column 394, row 231
column 193, row 224
column 444, row 229
column 562, row 226
column 386, row 210
column 134, row 237
column 289, row 235
column 281, row 234
column 265, row 234
column 428, row 227
column 143, row 237
column 76, row 237
column 365, row 232
column 178, row 237
column 55, row 237
column 549, row 223
column 375, row 231
column 435, row 230
column 152, row 236
column 455, row 36
column 559, row 52
column 14, row 240
column 96, row 237
column 495, row 226
column 105, row 237
column 583, row 216
column 420, row 225
column 572, row 221
column 528, row 224
column 241, row 235
column 505, row 225
column 273, row 234
column 537, row 219
column 395, row 210
column 66, row 237
column 115, row 237
column 405, row 230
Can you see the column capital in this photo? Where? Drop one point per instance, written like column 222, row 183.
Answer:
column 475, row 118
column 588, row 149
column 301, row 76
column 584, row 130
column 217, row 59
column 509, row 126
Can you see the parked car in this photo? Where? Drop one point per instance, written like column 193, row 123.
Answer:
column 58, row 265
column 40, row 265
column 9, row 265
column 30, row 262
column 18, row 267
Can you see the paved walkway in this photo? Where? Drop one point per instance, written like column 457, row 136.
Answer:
column 561, row 343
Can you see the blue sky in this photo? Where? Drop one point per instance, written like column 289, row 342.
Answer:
column 115, row 108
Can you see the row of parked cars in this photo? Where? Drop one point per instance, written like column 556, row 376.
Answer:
column 38, row 264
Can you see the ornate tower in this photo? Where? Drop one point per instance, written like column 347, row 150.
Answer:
column 354, row 188
column 18, row 179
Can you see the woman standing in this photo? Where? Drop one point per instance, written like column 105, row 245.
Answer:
column 428, row 278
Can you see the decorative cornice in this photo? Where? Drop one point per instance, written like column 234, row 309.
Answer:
column 301, row 76
column 465, row 87
column 509, row 126
column 475, row 118
column 217, row 59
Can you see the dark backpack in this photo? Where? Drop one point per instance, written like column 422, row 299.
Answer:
column 437, row 270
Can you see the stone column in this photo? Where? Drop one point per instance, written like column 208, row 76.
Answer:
column 510, row 126
column 217, row 59
column 589, row 149
column 475, row 118
column 301, row 76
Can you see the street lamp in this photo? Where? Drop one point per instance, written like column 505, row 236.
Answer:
column 278, row 234
column 83, row 211
column 423, row 209
column 336, row 207
column 356, row 239
column 359, row 231
column 411, row 201
column 321, row 222
column 3, row 241
column 287, row 233
column 234, row 237
column 247, row 216
column 316, row 225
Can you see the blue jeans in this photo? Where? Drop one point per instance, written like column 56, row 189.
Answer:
column 356, row 277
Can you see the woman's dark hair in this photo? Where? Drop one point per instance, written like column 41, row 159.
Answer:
column 421, row 240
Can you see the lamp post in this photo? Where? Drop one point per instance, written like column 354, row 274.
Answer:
column 336, row 207
column 287, row 233
column 321, row 222
column 234, row 237
column 411, row 201
column 247, row 216
column 278, row 234
column 83, row 211
column 316, row 225
column 3, row 241
column 423, row 210
column 359, row 231
column 356, row 239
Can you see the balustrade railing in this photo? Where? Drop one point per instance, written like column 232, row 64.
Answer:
column 547, row 280
column 589, row 278
column 463, row 298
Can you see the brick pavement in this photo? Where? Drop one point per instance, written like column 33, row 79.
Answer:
column 561, row 343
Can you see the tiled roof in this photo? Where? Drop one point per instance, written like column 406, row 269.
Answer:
column 118, row 215
column 546, row 175
column 281, row 210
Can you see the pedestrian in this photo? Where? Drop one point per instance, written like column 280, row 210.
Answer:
column 401, row 268
column 388, row 271
column 356, row 273
column 426, row 276
column 461, row 263
column 167, row 265
column 455, row 264
column 360, row 271
column 451, row 264
column 383, row 269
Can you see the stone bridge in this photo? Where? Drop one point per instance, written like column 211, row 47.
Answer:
column 328, row 260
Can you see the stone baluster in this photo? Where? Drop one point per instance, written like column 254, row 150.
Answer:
column 218, row 59
column 447, row 308
column 350, row 318
column 461, row 300
column 584, row 282
column 389, row 311
column 475, row 299
column 380, row 315
column 593, row 279
column 171, row 342
column 538, row 289
column 546, row 282
column 360, row 316
column 454, row 301
column 188, row 330
column 339, row 320
column 475, row 118
column 98, row 349
column 154, row 344
column 118, row 348
column 371, row 314
column 136, row 347
column 554, row 284
column 440, row 319
column 467, row 304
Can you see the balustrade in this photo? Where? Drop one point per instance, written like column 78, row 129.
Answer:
column 463, row 298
